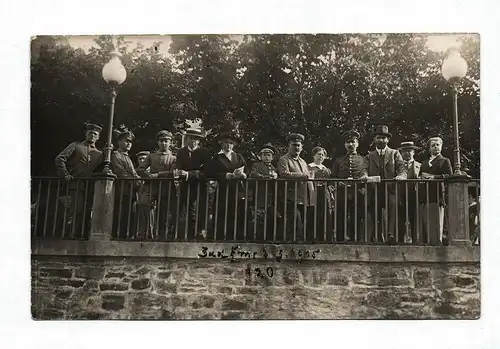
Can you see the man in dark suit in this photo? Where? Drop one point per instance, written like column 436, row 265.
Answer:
column 194, row 160
column 389, row 165
column 299, row 194
column 432, row 195
column 407, row 212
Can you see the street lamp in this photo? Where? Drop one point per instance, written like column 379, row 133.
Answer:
column 454, row 69
column 114, row 74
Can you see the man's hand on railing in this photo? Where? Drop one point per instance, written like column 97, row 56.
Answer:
column 154, row 175
column 426, row 175
column 68, row 178
column 399, row 178
column 364, row 178
column 229, row 175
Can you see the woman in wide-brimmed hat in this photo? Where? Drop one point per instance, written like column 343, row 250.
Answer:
column 229, row 167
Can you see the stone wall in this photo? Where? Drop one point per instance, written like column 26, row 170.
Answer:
column 97, row 287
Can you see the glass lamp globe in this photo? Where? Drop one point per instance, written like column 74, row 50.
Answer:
column 114, row 71
column 454, row 66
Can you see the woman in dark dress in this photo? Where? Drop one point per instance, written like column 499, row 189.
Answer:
column 321, row 192
column 228, row 167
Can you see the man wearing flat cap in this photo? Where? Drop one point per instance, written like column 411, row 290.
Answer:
column 193, row 162
column 407, row 212
column 299, row 193
column 264, row 190
column 123, row 167
column 161, row 165
column 350, row 196
column 389, row 165
column 79, row 159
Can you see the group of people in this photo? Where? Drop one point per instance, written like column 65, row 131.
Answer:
column 355, row 206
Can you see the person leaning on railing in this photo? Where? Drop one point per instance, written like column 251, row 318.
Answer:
column 298, row 201
column 79, row 159
column 431, row 207
column 228, row 167
column 264, row 199
column 141, row 157
column 407, row 226
column 162, row 165
column 321, row 194
column 123, row 168
column 350, row 166
column 388, row 164
column 195, row 161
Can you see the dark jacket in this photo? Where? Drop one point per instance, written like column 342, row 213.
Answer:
column 261, row 170
column 196, row 163
column 289, row 167
column 387, row 167
column 440, row 167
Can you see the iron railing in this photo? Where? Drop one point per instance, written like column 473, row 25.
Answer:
column 252, row 210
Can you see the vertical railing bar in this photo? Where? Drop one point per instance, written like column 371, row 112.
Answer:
column 150, row 206
column 37, row 209
column 207, row 193
column 235, row 225
column 316, row 210
column 77, row 196
column 255, row 210
column 285, row 211
column 85, row 199
column 169, row 189
column 376, row 212
column 428, row 214
column 177, row 207
column 345, row 211
column 325, row 208
column 47, row 203
column 155, row 233
column 216, row 208
column 225, row 210
column 65, row 217
column 275, row 210
column 120, row 209
column 438, row 208
column 366, row 213
column 396, row 234
column 246, row 213
column 57, row 208
column 355, row 211
column 407, row 221
column 336, row 199
column 386, row 213
column 306, row 207
column 129, row 211
column 295, row 206
column 188, row 207
column 197, row 210
column 265, row 210
column 419, row 214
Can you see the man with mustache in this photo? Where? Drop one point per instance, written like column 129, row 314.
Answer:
column 388, row 164
column 350, row 202
column 79, row 159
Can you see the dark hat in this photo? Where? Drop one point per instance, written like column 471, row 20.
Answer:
column 267, row 148
column 194, row 132
column 382, row 130
column 295, row 137
column 407, row 145
column 164, row 134
column 93, row 127
column 230, row 135
column 142, row 153
column 351, row 134
column 124, row 133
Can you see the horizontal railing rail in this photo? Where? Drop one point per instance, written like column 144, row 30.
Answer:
column 282, row 210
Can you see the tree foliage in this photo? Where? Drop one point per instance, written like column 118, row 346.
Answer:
column 264, row 85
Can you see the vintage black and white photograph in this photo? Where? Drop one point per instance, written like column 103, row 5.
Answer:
column 255, row 176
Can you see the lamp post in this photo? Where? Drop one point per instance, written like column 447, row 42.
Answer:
column 454, row 69
column 114, row 74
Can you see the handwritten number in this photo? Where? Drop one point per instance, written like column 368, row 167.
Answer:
column 257, row 270
column 270, row 272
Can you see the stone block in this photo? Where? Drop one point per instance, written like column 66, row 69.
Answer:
column 164, row 274
column 63, row 294
column 422, row 279
column 337, row 279
column 233, row 304
column 109, row 286
column 89, row 273
column 315, row 278
column 232, row 315
column 51, row 314
column 57, row 272
column 463, row 281
column 165, row 287
column 248, row 290
column 392, row 282
column 148, row 300
column 113, row 302
column 225, row 290
column 448, row 310
column 141, row 284
column 142, row 271
column 113, row 274
column 167, row 315
column 177, row 301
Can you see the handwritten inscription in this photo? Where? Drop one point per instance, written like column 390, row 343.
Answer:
column 236, row 251
column 260, row 273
